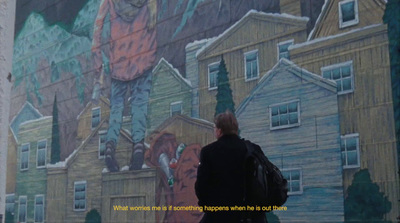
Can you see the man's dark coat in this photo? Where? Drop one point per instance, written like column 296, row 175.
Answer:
column 221, row 178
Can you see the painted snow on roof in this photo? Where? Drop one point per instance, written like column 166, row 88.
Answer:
column 324, row 8
column 56, row 165
column 197, row 42
column 35, row 120
column 26, row 113
column 63, row 164
column 249, row 13
column 299, row 45
column 176, row 71
column 203, row 120
column 209, row 42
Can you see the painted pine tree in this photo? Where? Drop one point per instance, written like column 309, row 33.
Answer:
column 9, row 217
column 364, row 201
column 55, row 135
column 392, row 19
column 93, row 216
column 224, row 91
column 272, row 218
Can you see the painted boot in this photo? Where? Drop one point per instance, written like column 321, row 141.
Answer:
column 137, row 157
column 111, row 162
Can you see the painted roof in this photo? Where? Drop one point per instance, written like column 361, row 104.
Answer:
column 174, row 71
column 252, row 14
column 26, row 113
column 326, row 9
column 339, row 36
column 184, row 118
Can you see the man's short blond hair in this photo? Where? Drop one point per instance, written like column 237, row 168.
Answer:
column 227, row 122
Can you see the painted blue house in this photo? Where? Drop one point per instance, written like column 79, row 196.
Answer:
column 293, row 115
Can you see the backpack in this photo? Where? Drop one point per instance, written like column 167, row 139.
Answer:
column 265, row 185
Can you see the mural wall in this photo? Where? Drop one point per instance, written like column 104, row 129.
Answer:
column 112, row 101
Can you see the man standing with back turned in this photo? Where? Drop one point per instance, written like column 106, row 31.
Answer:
column 221, row 174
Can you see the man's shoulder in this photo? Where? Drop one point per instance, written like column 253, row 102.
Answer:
column 212, row 146
column 209, row 146
column 252, row 144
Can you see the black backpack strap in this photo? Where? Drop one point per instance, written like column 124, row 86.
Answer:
column 246, row 216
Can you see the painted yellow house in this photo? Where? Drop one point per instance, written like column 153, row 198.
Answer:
column 250, row 48
column 82, row 182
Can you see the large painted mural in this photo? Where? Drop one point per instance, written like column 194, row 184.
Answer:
column 112, row 101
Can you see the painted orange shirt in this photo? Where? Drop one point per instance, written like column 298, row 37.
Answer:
column 132, row 45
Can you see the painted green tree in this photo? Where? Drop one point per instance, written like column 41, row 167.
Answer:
column 55, row 135
column 364, row 202
column 55, row 74
column 93, row 216
column 392, row 19
column 224, row 91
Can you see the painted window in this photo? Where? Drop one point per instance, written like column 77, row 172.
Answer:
column 283, row 49
column 41, row 153
column 295, row 180
column 350, row 148
column 348, row 13
column 39, row 208
column 10, row 203
column 102, row 144
column 95, row 117
column 251, row 65
column 175, row 108
column 24, row 161
column 80, row 196
column 284, row 115
column 342, row 74
column 22, row 209
column 212, row 76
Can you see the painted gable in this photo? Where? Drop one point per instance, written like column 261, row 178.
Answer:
column 369, row 12
column 253, row 28
column 164, row 67
column 286, row 74
column 27, row 113
column 167, row 82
